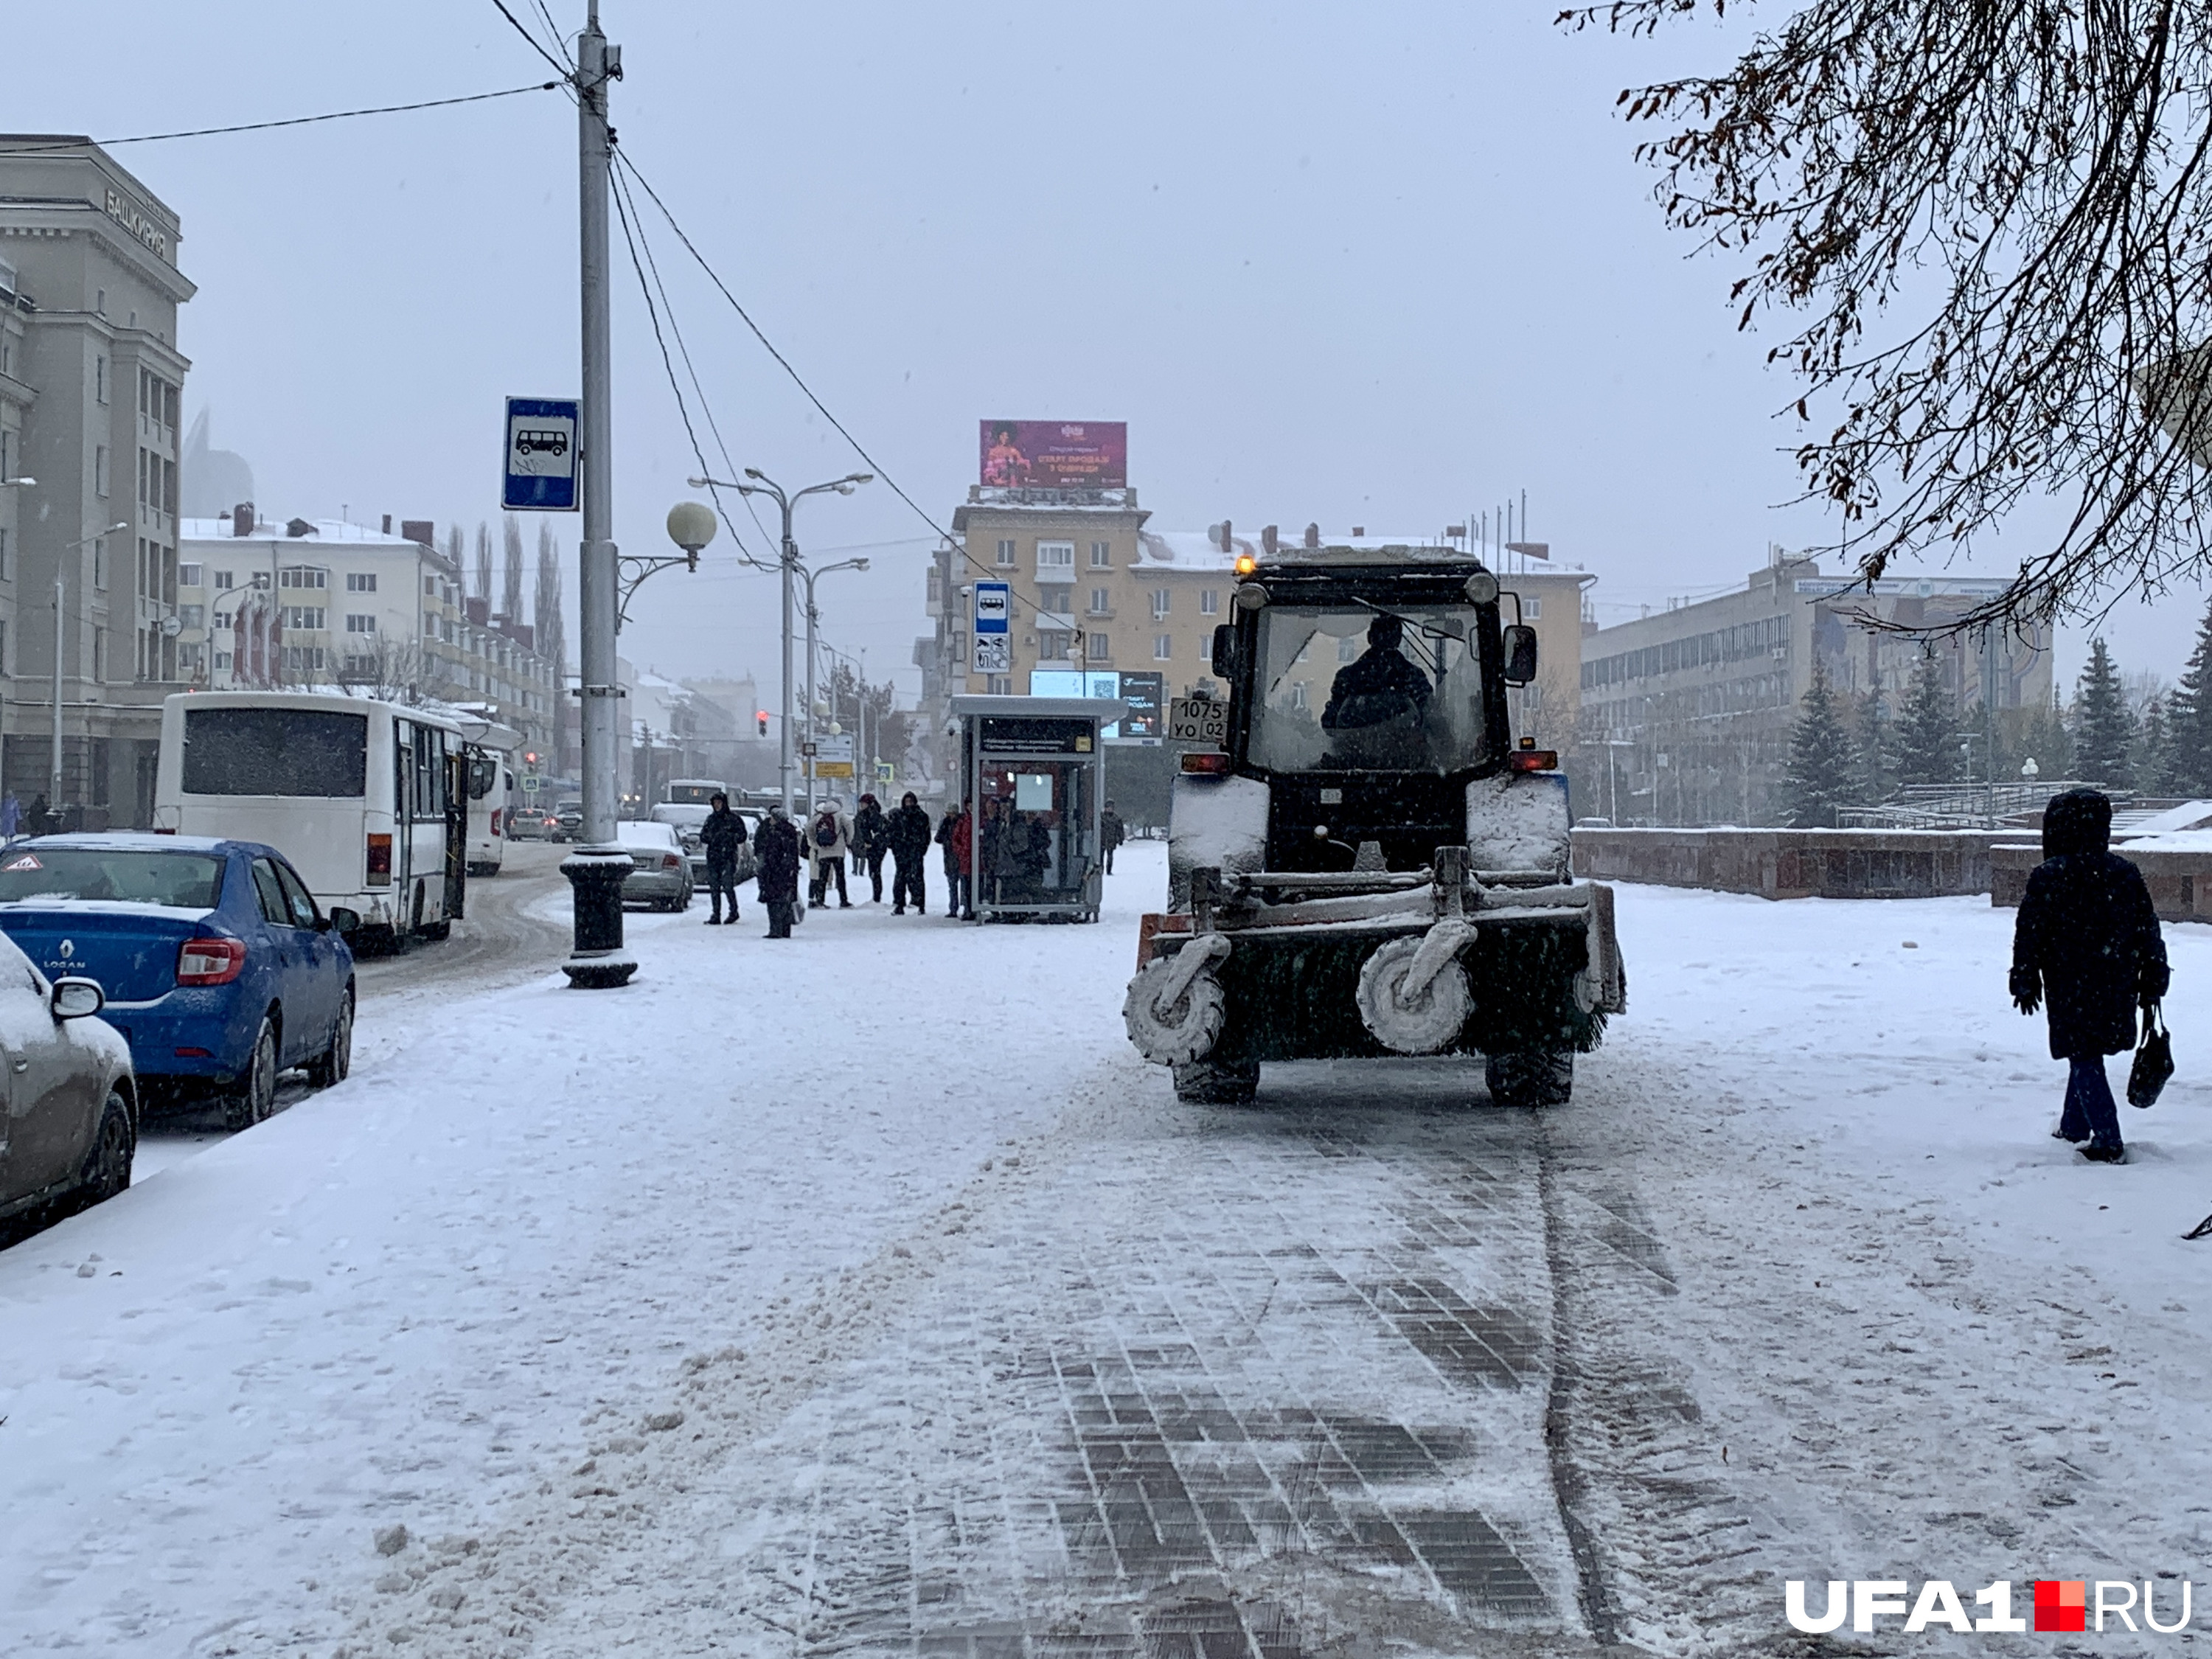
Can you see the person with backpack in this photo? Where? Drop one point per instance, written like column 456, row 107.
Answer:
column 869, row 845
column 2086, row 942
column 777, row 885
column 953, row 835
column 722, row 833
column 829, row 838
column 1112, row 832
column 905, row 832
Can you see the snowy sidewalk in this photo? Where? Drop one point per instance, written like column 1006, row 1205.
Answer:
column 866, row 1294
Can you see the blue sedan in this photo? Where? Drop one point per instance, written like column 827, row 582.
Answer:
column 220, row 969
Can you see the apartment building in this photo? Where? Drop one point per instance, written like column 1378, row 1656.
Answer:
column 326, row 603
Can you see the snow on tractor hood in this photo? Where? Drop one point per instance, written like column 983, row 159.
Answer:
column 1219, row 821
column 1519, row 820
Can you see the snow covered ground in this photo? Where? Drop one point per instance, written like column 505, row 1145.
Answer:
column 802, row 1296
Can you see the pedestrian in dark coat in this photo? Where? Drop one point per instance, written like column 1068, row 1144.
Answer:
column 778, row 851
column 2086, row 943
column 954, row 837
column 869, row 845
column 722, row 834
column 1112, row 832
column 905, row 832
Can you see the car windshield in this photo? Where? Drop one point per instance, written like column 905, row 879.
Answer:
column 1362, row 690
column 182, row 881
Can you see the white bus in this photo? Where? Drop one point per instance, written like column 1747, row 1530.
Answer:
column 361, row 796
column 491, row 787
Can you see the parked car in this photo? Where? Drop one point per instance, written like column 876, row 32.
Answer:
column 218, row 968
column 686, row 818
column 70, row 1126
column 569, row 819
column 660, row 876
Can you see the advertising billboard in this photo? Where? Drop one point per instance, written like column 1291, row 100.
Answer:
column 1055, row 454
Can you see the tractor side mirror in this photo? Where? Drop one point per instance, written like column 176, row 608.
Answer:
column 1520, row 654
column 1224, row 653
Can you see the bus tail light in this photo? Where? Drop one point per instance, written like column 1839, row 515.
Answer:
column 211, row 962
column 1533, row 759
column 1207, row 763
column 379, row 860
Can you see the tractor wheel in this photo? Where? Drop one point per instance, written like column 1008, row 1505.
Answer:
column 1203, row 1084
column 1543, row 1078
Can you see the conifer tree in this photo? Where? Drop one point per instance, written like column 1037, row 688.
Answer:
column 1823, row 768
column 1928, row 735
column 2104, row 729
column 2151, row 763
column 1877, row 739
column 2189, row 720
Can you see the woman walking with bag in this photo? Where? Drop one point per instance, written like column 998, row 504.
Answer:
column 2087, row 942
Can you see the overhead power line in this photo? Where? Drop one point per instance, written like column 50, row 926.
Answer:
column 291, row 121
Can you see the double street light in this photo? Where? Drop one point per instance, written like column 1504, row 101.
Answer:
column 757, row 483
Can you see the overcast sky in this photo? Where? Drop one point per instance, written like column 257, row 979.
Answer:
column 1378, row 265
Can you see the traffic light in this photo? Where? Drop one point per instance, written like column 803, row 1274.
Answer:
column 530, row 757
column 761, row 716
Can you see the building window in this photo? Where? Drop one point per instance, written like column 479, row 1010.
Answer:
column 1054, row 556
column 306, row 619
column 100, row 470
column 430, row 587
column 1102, row 556
column 225, row 579
column 1052, row 646
column 99, row 379
column 1161, row 597
column 222, row 661
column 99, row 653
column 189, row 575
column 1163, row 646
column 303, row 575
column 1007, row 553
column 3, row 556
column 191, row 615
column 99, row 561
column 1531, row 608
column 1209, row 602
column 1299, row 695
column 1098, row 648
column 1347, row 648
column 999, row 685
column 357, row 623
column 1101, row 603
column 360, row 581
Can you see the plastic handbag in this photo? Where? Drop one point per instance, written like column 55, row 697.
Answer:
column 2153, row 1061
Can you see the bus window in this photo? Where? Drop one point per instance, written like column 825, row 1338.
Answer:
column 275, row 751
column 483, row 773
column 429, row 773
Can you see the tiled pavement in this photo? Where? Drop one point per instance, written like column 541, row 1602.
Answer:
column 1239, row 1383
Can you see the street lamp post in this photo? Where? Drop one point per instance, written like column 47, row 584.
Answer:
column 61, row 575
column 597, row 959
column 812, row 576
column 788, row 558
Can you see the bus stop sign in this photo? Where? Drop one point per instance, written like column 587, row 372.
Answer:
column 541, row 455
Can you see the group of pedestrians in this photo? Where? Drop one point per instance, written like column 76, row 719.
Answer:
column 823, row 844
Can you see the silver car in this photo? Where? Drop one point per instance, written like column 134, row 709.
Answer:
column 685, row 819
column 68, row 1105
column 661, row 874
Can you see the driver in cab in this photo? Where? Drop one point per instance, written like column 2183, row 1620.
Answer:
column 1381, row 688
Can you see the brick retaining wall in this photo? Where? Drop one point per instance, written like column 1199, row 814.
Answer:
column 2180, row 882
column 1779, row 864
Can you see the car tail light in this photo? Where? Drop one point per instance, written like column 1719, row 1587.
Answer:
column 670, row 861
column 379, row 860
column 165, row 832
column 211, row 962
column 194, row 1054
column 1210, row 764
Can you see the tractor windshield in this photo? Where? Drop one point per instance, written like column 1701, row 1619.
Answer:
column 1365, row 690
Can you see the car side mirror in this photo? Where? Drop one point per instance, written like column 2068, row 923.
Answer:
column 74, row 999
column 339, row 919
column 1520, row 654
column 1224, row 653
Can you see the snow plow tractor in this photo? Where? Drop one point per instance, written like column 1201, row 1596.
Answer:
column 1363, row 864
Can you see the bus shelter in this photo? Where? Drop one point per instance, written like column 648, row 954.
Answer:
column 1032, row 785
